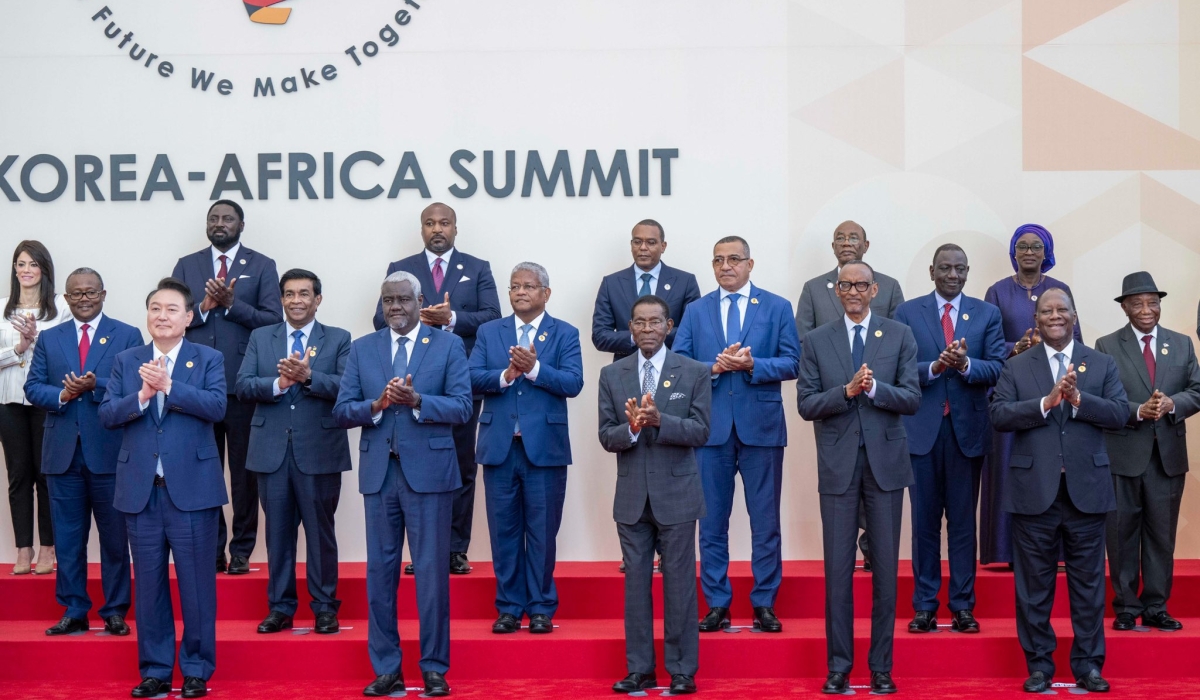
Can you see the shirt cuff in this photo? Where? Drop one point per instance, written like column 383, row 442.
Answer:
column 144, row 405
column 504, row 383
column 376, row 417
column 871, row 391
column 275, row 390
column 203, row 314
column 532, row 374
column 1045, row 411
column 633, row 437
column 449, row 327
column 417, row 413
column 966, row 372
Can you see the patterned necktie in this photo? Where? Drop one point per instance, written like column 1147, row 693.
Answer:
column 856, row 350
column 297, row 346
column 85, row 344
column 162, row 398
column 1147, row 354
column 523, row 341
column 645, row 290
column 733, row 320
column 223, row 273
column 400, row 361
column 438, row 275
column 648, row 382
column 948, row 332
column 1062, row 367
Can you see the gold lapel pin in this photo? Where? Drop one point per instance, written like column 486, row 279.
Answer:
column 312, row 352
column 103, row 341
column 542, row 337
column 1082, row 368
column 189, row 364
column 966, row 317
column 878, row 334
column 667, row 383
column 1164, row 351
column 425, row 341
column 754, row 300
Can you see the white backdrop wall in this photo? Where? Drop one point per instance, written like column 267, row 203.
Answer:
column 788, row 117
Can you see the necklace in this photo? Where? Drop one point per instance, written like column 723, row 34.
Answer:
column 1029, row 290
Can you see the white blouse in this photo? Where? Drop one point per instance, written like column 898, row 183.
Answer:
column 14, row 368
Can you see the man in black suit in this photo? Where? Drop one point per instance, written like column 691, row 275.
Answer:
column 649, row 275
column 461, row 296
column 858, row 377
column 1059, row 398
column 654, row 411
column 1149, row 454
column 292, row 372
column 237, row 291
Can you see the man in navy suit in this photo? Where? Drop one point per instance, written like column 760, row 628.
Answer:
column 67, row 379
column 461, row 297
column 960, row 352
column 165, row 396
column 407, row 386
column 526, row 365
column 649, row 275
column 237, row 290
column 1059, row 398
column 292, row 372
column 749, row 337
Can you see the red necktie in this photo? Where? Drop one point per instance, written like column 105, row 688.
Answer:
column 224, row 273
column 1148, row 356
column 438, row 276
column 948, row 332
column 85, row 345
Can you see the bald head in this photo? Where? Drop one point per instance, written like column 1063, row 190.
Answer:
column 439, row 228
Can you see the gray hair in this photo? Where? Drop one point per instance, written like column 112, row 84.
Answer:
column 402, row 276
column 87, row 271
column 542, row 275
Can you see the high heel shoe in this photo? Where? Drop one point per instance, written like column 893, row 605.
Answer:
column 24, row 555
column 45, row 561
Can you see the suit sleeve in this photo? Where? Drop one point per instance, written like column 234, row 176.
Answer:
column 1131, row 416
column 351, row 409
column 814, row 402
column 1110, row 410
column 785, row 365
column 483, row 379
column 614, row 428
column 691, row 293
column 693, row 430
column 607, row 336
column 455, row 405
column 1008, row 412
column 896, row 301
column 132, row 340
column 251, row 388
column 985, row 369
column 267, row 310
column 206, row 402
column 904, row 396
column 567, row 378
column 38, row 389
column 324, row 385
column 683, row 338
column 1187, row 402
column 466, row 323
column 118, row 407
column 180, row 273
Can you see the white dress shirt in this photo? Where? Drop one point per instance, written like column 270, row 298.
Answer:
column 654, row 273
column 743, row 304
column 865, row 323
column 941, row 308
column 287, row 349
column 1153, row 350
column 230, row 258
column 14, row 368
column 657, row 363
column 408, row 351
column 1050, row 353
column 431, row 258
column 172, row 355
column 532, row 374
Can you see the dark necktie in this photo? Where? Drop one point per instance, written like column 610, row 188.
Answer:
column 645, row 290
column 948, row 333
column 85, row 344
column 733, row 320
column 223, row 273
column 1147, row 354
column 438, row 275
column 523, row 341
column 400, row 361
column 856, row 350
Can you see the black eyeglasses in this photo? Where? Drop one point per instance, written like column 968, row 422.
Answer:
column 1028, row 248
column 733, row 260
column 91, row 295
column 862, row 287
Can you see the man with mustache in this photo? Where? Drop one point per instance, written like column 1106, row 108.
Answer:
column 236, row 291
column 460, row 296
column 1058, row 398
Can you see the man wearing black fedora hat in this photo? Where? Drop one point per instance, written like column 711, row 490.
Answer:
column 1149, row 455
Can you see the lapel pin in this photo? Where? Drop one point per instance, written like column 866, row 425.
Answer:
column 1082, row 368
column 189, row 364
column 312, row 352
column 878, row 334
column 667, row 287
column 1032, row 297
column 460, row 266
column 425, row 340
column 667, row 383
column 242, row 261
column 1164, row 351
column 754, row 300
column 542, row 337
column 103, row 341
column 829, row 285
column 966, row 317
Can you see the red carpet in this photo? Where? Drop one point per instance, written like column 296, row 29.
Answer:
column 588, row 643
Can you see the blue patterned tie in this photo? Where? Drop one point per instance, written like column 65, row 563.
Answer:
column 523, row 341
column 400, row 361
column 856, row 350
column 297, row 346
column 646, row 277
column 733, row 320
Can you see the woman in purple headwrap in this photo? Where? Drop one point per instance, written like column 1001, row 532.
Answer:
column 1032, row 252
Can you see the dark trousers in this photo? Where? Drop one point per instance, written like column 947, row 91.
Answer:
column 1141, row 538
column 162, row 531
column 243, row 484
column 681, row 628
column 75, row 496
column 524, row 511
column 291, row 497
column 463, row 510
column 21, row 429
column 839, row 527
column 1036, row 544
column 395, row 509
column 762, row 482
column 946, row 483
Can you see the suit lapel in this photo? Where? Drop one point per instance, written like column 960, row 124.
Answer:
column 631, row 381
column 418, row 266
column 418, row 351
column 933, row 319
column 751, row 309
column 873, row 340
column 238, row 266
column 542, row 334
column 453, row 274
column 714, row 314
column 668, row 381
column 839, row 341
column 384, row 348
column 666, row 281
column 70, row 350
column 966, row 307
column 1133, row 349
column 101, row 340
column 831, row 280
column 625, row 295
column 1165, row 357
column 1042, row 375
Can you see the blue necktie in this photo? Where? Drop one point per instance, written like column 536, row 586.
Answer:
column 856, row 350
column 733, row 320
column 297, row 346
column 400, row 361
column 646, row 277
column 523, row 341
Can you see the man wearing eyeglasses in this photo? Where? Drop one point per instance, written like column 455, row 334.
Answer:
column 526, row 366
column 649, row 275
column 67, row 379
column 748, row 336
column 819, row 304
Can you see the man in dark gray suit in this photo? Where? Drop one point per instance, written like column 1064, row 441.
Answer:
column 858, row 376
column 1059, row 397
column 1149, row 454
column 654, row 412
column 819, row 304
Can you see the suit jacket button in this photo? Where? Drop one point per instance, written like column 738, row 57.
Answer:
column 731, row 393
column 518, row 393
column 155, row 454
column 856, row 432
column 160, row 432
column 293, row 407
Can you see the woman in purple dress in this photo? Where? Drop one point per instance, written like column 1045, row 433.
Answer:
column 1032, row 253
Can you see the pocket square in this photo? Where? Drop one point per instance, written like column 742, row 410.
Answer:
column 464, row 278
column 242, row 277
column 676, row 395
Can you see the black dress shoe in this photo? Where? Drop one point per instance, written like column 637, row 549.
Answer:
column 115, row 625
column 1125, row 622
column 716, row 620
column 964, row 621
column 635, row 682
column 682, row 684
column 408, row 570
column 222, row 563
column 435, row 684
column 836, row 684
column 506, row 624
column 68, row 625
column 194, row 687
column 238, row 565
column 274, row 622
column 622, row 567
column 866, row 565
column 765, row 620
column 1036, row 683
column 540, row 624
column 1092, row 682
column 924, row 621
column 384, row 685
column 1161, row 620
column 327, row 623
column 151, row 687
column 882, row 683
column 459, row 563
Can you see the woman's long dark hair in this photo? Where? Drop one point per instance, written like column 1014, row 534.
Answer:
column 41, row 256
